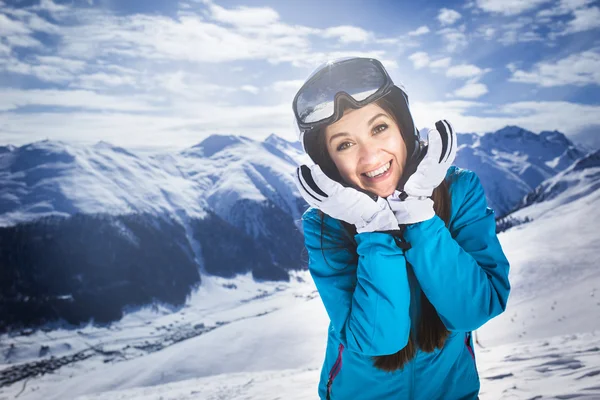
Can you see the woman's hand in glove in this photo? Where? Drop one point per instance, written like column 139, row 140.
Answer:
column 344, row 203
column 414, row 204
column 431, row 171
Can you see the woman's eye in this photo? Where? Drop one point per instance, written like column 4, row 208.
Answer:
column 343, row 146
column 380, row 128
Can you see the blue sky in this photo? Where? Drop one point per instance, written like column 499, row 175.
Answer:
column 165, row 74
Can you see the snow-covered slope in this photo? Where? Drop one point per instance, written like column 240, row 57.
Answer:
column 554, row 258
column 579, row 180
column 562, row 367
column 243, row 171
column 55, row 178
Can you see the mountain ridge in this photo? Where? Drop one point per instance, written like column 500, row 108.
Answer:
column 230, row 203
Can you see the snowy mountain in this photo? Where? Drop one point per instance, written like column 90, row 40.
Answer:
column 579, row 180
column 512, row 162
column 86, row 224
column 55, row 178
column 77, row 217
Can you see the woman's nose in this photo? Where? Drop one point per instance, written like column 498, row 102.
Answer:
column 368, row 155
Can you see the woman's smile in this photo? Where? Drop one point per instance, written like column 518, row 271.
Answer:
column 380, row 173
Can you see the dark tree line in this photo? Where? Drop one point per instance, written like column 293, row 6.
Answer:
column 90, row 267
column 505, row 223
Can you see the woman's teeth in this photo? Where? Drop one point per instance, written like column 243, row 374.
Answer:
column 379, row 171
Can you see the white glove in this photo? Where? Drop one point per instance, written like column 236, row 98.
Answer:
column 344, row 203
column 431, row 171
column 415, row 204
column 410, row 210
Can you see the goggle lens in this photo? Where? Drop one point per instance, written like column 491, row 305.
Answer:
column 359, row 78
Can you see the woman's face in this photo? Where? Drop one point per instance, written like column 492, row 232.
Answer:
column 367, row 148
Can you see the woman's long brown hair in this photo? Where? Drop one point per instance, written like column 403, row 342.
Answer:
column 431, row 331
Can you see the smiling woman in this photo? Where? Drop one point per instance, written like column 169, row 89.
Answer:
column 402, row 246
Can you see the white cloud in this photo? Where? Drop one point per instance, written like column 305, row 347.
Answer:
column 48, row 73
column 287, row 85
column 568, row 117
column 487, row 32
column 465, row 71
column 441, row 63
column 419, row 59
column 348, row 34
column 585, row 19
column 67, row 64
column 102, row 80
column 577, row 69
column 519, row 30
column 10, row 27
column 422, row 30
column 564, row 7
column 241, row 16
column 118, row 128
column 39, row 24
column 187, row 39
column 315, row 58
column 4, row 49
column 57, row 11
column 448, row 17
column 11, row 99
column 388, row 41
column 199, row 40
column 512, row 36
column 45, row 68
column 454, row 38
column 470, row 116
column 23, row 41
column 250, row 89
column 471, row 90
column 509, row 7
column 177, row 129
column 49, row 5
column 182, row 86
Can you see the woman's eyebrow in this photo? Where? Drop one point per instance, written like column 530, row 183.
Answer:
column 336, row 135
column 375, row 117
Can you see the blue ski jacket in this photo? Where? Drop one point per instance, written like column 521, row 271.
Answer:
column 373, row 299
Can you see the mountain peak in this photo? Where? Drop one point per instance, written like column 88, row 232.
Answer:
column 275, row 140
column 592, row 160
column 217, row 142
column 7, row 149
column 103, row 145
column 513, row 131
column 556, row 137
column 45, row 144
column 42, row 152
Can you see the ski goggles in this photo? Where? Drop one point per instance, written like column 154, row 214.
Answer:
column 359, row 81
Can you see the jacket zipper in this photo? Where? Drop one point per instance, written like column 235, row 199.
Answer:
column 468, row 344
column 334, row 370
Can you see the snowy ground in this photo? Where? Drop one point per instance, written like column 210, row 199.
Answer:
column 266, row 340
column 561, row 367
